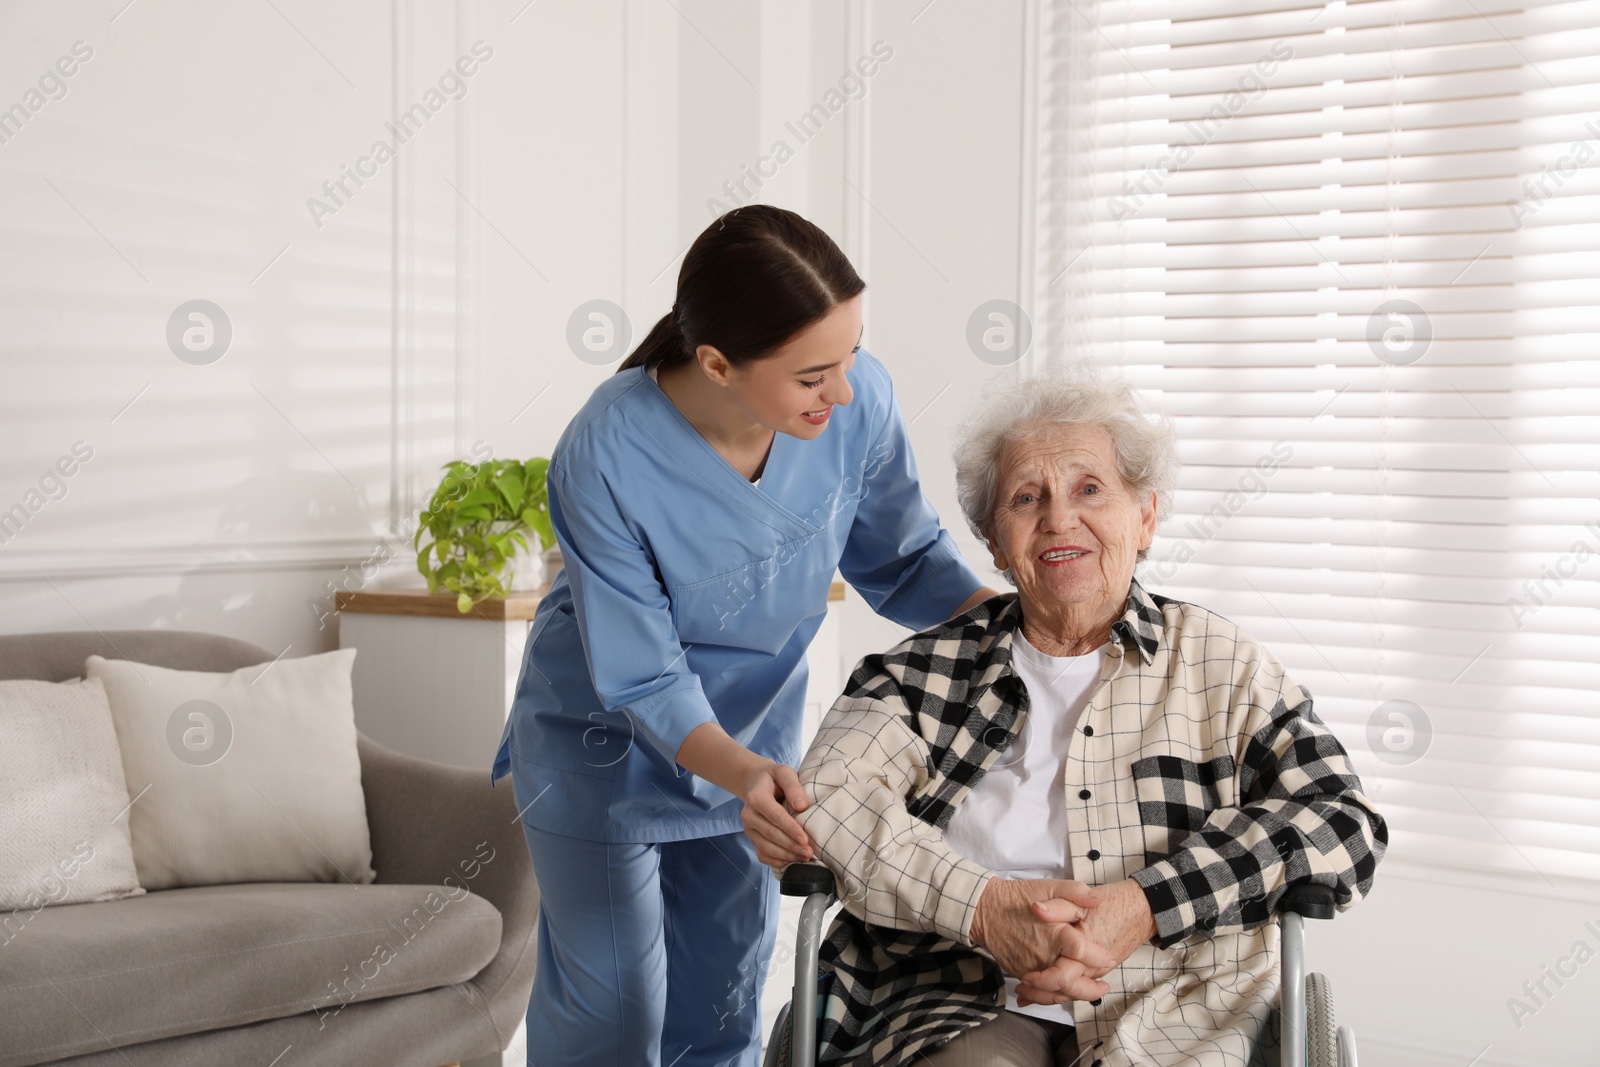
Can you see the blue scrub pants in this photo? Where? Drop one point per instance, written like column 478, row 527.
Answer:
column 649, row 954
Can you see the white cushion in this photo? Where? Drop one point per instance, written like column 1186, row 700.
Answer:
column 63, row 824
column 253, row 775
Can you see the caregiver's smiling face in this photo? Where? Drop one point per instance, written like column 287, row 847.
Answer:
column 1067, row 526
column 795, row 389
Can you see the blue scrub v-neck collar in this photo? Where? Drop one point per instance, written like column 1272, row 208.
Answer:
column 750, row 492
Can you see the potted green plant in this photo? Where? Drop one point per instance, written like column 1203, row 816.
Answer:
column 477, row 521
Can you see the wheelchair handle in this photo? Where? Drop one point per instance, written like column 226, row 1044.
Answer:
column 804, row 879
column 814, row 882
column 1300, row 902
column 1309, row 901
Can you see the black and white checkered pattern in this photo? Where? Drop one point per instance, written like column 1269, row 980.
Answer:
column 1198, row 769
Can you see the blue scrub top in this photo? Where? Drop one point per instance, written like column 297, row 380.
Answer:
column 689, row 595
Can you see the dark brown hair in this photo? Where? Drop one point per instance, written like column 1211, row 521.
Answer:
column 755, row 278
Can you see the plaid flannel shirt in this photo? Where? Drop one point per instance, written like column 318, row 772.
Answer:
column 1203, row 775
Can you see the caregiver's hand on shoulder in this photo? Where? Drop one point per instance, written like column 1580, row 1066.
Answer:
column 1120, row 924
column 1022, row 941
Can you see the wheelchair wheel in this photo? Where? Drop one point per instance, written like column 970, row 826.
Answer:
column 1322, row 1045
column 1347, row 1047
column 778, row 1053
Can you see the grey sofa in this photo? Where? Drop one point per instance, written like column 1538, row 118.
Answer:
column 284, row 974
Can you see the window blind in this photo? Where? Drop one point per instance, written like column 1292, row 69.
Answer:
column 1353, row 249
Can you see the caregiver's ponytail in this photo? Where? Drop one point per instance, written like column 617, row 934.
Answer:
column 754, row 279
column 663, row 344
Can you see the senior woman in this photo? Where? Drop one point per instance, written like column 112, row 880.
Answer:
column 1062, row 821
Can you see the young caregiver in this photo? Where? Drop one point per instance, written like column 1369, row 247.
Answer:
column 703, row 498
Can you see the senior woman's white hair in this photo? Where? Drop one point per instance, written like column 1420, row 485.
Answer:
column 1078, row 393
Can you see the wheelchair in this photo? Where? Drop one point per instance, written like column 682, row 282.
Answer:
column 1305, row 1004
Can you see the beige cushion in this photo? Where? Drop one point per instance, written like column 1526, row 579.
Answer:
column 87, row 977
column 63, row 825
column 247, row 776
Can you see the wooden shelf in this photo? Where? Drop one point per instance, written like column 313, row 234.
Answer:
column 421, row 603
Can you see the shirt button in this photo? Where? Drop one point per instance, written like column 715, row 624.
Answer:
column 1094, row 853
column 1088, row 731
column 1083, row 794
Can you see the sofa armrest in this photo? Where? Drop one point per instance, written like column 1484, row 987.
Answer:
column 431, row 821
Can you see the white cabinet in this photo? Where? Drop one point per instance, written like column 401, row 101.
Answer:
column 430, row 681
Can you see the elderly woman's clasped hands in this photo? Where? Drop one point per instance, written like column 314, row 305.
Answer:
column 1061, row 936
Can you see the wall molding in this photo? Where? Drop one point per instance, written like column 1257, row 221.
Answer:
column 652, row 228
column 400, row 192
column 25, row 565
column 468, row 237
column 1029, row 290
column 857, row 163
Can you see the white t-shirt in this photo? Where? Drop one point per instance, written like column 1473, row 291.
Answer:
column 651, row 370
column 1014, row 821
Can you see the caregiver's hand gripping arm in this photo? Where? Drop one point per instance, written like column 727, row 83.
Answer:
column 764, row 785
column 770, row 790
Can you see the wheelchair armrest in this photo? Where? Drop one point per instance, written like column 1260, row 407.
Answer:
column 804, row 879
column 1309, row 901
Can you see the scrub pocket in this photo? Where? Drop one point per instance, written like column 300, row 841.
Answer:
column 755, row 607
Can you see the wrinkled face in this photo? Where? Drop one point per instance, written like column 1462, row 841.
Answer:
column 1064, row 522
column 795, row 389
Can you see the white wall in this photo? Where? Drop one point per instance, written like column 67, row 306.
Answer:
column 939, row 191
column 431, row 313
column 178, row 166
column 1423, row 970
